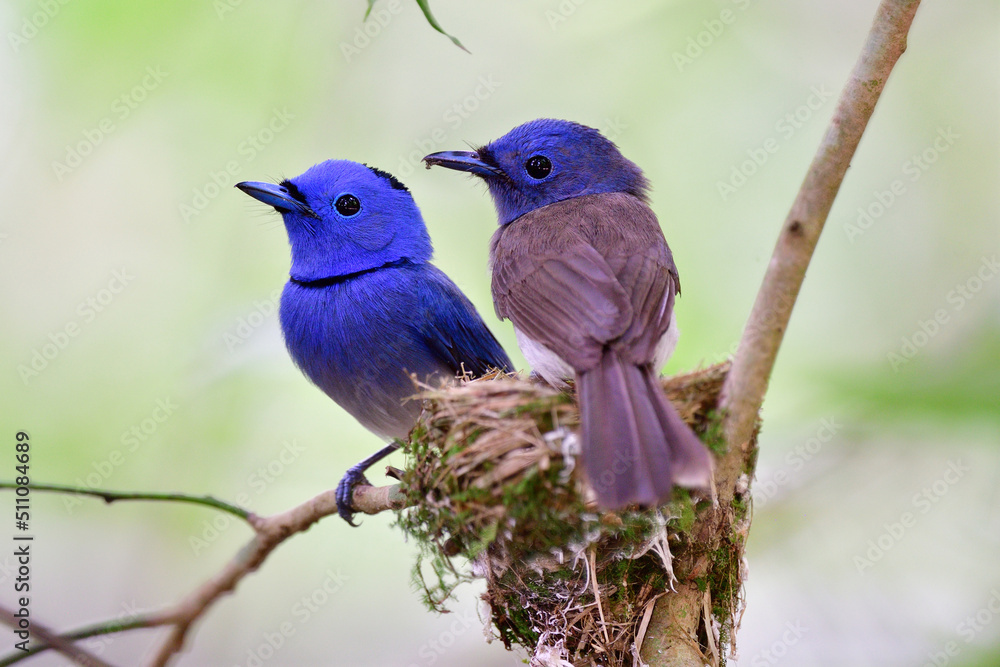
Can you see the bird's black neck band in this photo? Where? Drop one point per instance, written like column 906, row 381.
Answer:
column 336, row 280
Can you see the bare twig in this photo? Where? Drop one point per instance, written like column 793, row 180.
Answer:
column 114, row 496
column 677, row 618
column 270, row 532
column 375, row 499
column 744, row 390
column 674, row 623
column 95, row 630
column 61, row 644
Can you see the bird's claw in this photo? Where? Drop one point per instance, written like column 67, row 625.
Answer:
column 345, row 493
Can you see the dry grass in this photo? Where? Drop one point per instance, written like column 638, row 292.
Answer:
column 493, row 479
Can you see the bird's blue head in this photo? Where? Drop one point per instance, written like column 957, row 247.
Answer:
column 545, row 161
column 343, row 217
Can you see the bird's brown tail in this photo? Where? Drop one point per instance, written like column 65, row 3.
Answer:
column 635, row 445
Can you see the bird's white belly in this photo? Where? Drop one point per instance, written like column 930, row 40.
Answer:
column 556, row 371
column 668, row 341
column 543, row 361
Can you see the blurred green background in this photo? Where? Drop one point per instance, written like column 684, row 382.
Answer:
column 141, row 352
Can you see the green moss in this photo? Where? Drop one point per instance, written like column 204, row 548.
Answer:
column 510, row 502
column 724, row 579
column 515, row 625
column 741, row 505
column 683, row 509
column 544, row 514
column 711, row 433
column 750, row 466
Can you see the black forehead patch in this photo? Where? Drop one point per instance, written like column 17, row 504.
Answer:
column 486, row 155
column 393, row 181
column 294, row 191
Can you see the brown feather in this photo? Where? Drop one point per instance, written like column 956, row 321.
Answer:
column 593, row 280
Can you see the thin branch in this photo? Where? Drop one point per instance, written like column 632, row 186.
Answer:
column 743, row 392
column 270, row 532
column 94, row 630
column 376, row 499
column 61, row 644
column 741, row 399
column 114, row 496
column 676, row 618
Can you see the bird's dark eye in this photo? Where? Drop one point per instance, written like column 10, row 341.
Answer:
column 538, row 166
column 347, row 205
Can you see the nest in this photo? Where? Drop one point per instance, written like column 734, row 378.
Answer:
column 492, row 480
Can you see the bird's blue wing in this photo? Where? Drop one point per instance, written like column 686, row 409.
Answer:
column 452, row 329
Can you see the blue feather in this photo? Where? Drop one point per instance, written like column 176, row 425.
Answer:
column 364, row 311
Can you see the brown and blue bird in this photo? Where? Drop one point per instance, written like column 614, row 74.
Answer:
column 581, row 267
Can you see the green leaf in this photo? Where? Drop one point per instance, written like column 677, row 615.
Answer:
column 426, row 9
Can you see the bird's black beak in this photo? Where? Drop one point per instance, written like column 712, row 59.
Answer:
column 277, row 196
column 462, row 161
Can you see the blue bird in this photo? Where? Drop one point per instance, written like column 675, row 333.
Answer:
column 581, row 268
column 364, row 308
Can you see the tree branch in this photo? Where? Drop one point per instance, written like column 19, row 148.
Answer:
column 114, row 496
column 670, row 643
column 61, row 644
column 376, row 499
column 674, row 624
column 270, row 532
column 94, row 630
column 743, row 393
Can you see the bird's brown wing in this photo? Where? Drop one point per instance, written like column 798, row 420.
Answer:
column 586, row 273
